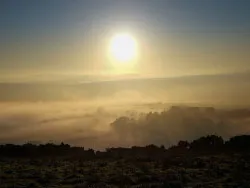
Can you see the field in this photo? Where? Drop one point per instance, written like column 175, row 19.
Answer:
column 173, row 172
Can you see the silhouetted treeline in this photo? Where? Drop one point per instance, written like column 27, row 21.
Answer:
column 207, row 145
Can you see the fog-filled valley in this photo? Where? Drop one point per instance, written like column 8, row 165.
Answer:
column 99, row 127
column 125, row 112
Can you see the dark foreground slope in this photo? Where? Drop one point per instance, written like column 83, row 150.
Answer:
column 174, row 172
column 205, row 162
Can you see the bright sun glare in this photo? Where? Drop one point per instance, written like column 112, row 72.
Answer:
column 123, row 48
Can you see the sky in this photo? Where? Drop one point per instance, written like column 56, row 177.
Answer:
column 62, row 40
column 58, row 81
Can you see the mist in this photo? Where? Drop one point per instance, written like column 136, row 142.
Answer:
column 125, row 112
column 100, row 127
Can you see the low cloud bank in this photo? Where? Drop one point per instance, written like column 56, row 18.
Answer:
column 181, row 123
column 116, row 125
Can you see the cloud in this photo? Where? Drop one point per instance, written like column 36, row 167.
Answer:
column 78, row 123
column 20, row 122
column 168, row 127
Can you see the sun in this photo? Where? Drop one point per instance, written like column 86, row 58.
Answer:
column 123, row 48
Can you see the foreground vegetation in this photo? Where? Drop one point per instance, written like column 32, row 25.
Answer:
column 205, row 162
column 182, row 171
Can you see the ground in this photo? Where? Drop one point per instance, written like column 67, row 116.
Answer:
column 173, row 172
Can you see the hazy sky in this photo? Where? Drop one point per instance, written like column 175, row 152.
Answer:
column 50, row 39
column 58, row 42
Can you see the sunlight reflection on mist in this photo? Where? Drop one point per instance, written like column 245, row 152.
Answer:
column 112, row 125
